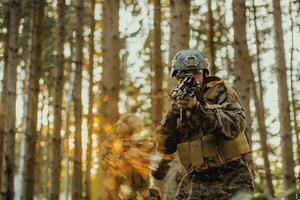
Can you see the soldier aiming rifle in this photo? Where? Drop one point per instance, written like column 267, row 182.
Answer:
column 205, row 124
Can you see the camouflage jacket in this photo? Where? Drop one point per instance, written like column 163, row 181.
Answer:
column 222, row 114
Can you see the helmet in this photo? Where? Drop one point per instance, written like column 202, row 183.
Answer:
column 188, row 59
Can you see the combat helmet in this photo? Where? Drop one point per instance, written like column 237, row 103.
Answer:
column 189, row 59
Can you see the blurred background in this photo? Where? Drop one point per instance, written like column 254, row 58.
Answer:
column 70, row 69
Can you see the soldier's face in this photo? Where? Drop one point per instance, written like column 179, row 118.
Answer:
column 198, row 76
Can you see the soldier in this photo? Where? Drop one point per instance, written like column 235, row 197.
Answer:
column 126, row 160
column 205, row 123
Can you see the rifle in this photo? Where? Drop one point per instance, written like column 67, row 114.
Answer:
column 187, row 87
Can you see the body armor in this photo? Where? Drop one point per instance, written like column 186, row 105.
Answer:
column 211, row 151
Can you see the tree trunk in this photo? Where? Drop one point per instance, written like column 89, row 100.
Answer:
column 242, row 64
column 211, row 47
column 31, row 104
column 292, row 88
column 40, row 163
column 59, row 86
column 180, row 12
column 260, row 115
column 91, row 102
column 157, row 92
column 4, row 91
column 77, row 160
column 110, row 83
column 284, row 114
column 111, row 69
column 7, row 173
column 67, row 113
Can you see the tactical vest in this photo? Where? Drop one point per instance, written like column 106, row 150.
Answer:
column 212, row 150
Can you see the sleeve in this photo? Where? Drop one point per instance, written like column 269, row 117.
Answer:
column 167, row 131
column 226, row 116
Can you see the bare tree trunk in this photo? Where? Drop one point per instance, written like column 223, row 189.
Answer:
column 110, row 83
column 47, row 161
column 292, row 87
column 32, row 90
column 180, row 12
column 4, row 91
column 157, row 102
column 157, row 92
column 67, row 115
column 242, row 62
column 284, row 105
column 260, row 115
column 7, row 173
column 40, row 164
column 211, row 47
column 111, row 69
column 91, row 102
column 59, row 86
column 77, row 160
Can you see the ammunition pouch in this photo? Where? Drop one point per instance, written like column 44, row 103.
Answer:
column 211, row 151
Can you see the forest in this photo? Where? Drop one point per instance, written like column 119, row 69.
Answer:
column 69, row 69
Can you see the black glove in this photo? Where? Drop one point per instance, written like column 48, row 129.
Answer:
column 162, row 170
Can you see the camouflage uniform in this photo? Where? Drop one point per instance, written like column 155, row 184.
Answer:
column 220, row 115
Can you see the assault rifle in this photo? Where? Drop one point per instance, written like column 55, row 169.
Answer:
column 187, row 87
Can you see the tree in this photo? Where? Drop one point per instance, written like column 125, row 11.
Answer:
column 4, row 91
column 242, row 62
column 211, row 45
column 180, row 12
column 91, row 102
column 293, row 86
column 33, row 70
column 7, row 182
column 110, row 82
column 284, row 105
column 77, row 160
column 259, row 107
column 59, row 85
column 157, row 92
column 111, row 63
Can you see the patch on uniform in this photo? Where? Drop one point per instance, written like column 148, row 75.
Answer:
column 191, row 61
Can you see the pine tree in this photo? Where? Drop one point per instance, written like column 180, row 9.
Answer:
column 111, row 64
column 242, row 62
column 211, row 45
column 33, row 70
column 4, row 91
column 180, row 12
column 56, row 149
column 77, row 159
column 284, row 114
column 259, row 107
column 157, row 92
column 292, row 85
column 91, row 102
column 7, row 182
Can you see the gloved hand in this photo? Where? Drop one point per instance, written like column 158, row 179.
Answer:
column 187, row 102
column 162, row 170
